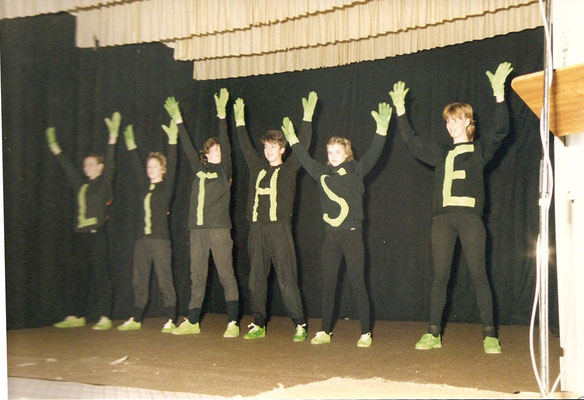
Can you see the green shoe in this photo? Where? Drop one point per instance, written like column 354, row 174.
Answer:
column 103, row 324
column 186, row 328
column 232, row 330
column 130, row 325
column 70, row 322
column 300, row 335
column 255, row 332
column 429, row 341
column 365, row 340
column 491, row 345
column 169, row 327
column 321, row 338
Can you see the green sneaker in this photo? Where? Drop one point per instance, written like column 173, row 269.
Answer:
column 130, row 325
column 169, row 327
column 491, row 345
column 186, row 328
column 232, row 330
column 70, row 322
column 300, row 335
column 365, row 340
column 255, row 332
column 428, row 341
column 103, row 324
column 321, row 338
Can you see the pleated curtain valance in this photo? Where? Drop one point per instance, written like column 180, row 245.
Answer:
column 233, row 38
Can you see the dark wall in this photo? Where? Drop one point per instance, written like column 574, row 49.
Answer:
column 47, row 81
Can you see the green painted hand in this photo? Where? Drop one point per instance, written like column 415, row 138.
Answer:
column 498, row 79
column 113, row 124
column 309, row 105
column 288, row 130
column 172, row 108
column 171, row 131
column 239, row 112
column 221, row 102
column 398, row 96
column 382, row 118
column 129, row 137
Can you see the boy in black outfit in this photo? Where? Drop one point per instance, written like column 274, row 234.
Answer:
column 272, row 187
column 94, row 193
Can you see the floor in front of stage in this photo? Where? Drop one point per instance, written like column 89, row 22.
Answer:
column 84, row 363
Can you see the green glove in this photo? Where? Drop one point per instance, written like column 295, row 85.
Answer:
column 288, row 130
column 52, row 140
column 382, row 118
column 309, row 105
column 171, row 131
column 498, row 79
column 172, row 108
column 239, row 113
column 398, row 96
column 129, row 138
column 113, row 124
column 221, row 102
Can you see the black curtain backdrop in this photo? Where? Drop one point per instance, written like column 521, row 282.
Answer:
column 47, row 81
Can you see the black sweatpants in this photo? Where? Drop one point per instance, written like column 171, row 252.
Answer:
column 269, row 243
column 146, row 253
column 350, row 244
column 97, row 301
column 218, row 241
column 471, row 231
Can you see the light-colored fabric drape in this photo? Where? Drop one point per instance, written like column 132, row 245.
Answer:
column 29, row 8
column 391, row 44
column 165, row 20
column 232, row 38
column 359, row 21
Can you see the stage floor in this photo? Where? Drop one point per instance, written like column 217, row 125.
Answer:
column 207, row 364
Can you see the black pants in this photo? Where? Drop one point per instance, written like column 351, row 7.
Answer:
column 146, row 253
column 471, row 231
column 97, row 300
column 218, row 241
column 269, row 243
column 350, row 244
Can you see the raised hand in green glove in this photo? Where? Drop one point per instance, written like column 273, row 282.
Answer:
column 113, row 124
column 172, row 108
column 498, row 79
column 308, row 105
column 171, row 131
column 239, row 112
column 288, row 130
column 382, row 118
column 221, row 102
column 52, row 140
column 398, row 96
column 129, row 137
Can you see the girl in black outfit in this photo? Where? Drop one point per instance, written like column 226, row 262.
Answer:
column 209, row 221
column 94, row 194
column 153, row 239
column 458, row 200
column 340, row 184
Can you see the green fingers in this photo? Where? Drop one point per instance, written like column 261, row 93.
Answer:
column 498, row 78
column 171, row 131
column 288, row 130
column 113, row 124
column 52, row 139
column 221, row 102
column 172, row 108
column 309, row 105
column 129, row 137
column 382, row 118
column 238, row 110
column 398, row 97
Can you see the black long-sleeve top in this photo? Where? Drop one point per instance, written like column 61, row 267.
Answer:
column 155, row 198
column 458, row 178
column 341, row 188
column 271, row 189
column 93, row 195
column 210, row 193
